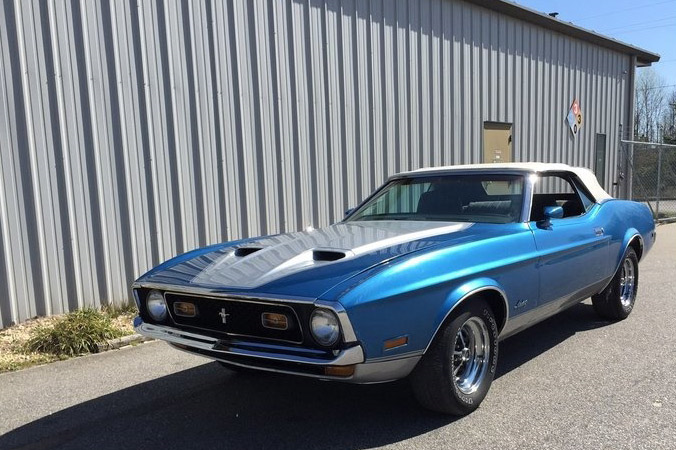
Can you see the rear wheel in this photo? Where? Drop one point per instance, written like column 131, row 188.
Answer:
column 617, row 300
column 454, row 375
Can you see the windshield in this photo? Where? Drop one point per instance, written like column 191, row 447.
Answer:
column 454, row 198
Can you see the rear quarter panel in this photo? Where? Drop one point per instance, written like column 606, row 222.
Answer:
column 623, row 220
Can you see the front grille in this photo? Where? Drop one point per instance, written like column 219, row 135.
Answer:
column 235, row 317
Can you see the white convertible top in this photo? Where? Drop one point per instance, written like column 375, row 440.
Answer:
column 585, row 175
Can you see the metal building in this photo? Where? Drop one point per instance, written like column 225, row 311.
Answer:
column 131, row 131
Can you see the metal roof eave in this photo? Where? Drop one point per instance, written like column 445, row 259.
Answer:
column 643, row 57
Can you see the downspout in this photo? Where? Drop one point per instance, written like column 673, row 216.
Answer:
column 626, row 185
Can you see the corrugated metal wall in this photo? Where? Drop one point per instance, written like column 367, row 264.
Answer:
column 131, row 131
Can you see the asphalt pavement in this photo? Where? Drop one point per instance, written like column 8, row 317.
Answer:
column 573, row 381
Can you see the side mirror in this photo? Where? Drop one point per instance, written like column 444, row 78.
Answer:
column 348, row 212
column 553, row 212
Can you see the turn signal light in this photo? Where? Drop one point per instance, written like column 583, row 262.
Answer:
column 185, row 309
column 275, row 321
column 339, row 371
column 396, row 342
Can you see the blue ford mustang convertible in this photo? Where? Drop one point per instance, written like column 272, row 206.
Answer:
column 422, row 280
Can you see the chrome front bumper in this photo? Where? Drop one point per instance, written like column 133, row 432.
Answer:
column 365, row 371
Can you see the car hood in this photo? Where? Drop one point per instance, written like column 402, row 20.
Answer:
column 304, row 263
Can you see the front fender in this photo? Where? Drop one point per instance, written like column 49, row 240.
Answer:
column 417, row 314
column 413, row 295
column 463, row 293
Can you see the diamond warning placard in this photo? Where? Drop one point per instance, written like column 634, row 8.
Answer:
column 574, row 117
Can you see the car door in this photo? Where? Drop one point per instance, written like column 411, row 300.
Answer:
column 573, row 250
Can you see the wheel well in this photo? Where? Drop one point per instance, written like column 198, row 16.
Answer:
column 637, row 244
column 497, row 303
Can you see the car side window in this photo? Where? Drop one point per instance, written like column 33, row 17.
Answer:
column 558, row 190
column 586, row 199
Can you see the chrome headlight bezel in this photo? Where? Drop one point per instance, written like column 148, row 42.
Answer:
column 325, row 327
column 156, row 306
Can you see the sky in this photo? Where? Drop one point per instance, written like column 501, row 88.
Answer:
column 648, row 24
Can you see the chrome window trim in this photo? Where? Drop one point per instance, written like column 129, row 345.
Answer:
column 523, row 173
column 529, row 188
column 575, row 183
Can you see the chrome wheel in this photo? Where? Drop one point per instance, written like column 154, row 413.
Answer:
column 616, row 301
column 627, row 282
column 455, row 373
column 471, row 355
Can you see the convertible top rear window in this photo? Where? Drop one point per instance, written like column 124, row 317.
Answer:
column 489, row 198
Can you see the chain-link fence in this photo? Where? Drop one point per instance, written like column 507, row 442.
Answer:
column 653, row 176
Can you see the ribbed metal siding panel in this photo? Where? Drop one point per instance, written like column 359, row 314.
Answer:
column 131, row 131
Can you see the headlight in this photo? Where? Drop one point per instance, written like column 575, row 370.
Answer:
column 325, row 327
column 156, row 306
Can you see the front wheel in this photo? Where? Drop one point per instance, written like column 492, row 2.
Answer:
column 617, row 300
column 454, row 375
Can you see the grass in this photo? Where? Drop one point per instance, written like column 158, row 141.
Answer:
column 77, row 333
column 43, row 340
column 114, row 311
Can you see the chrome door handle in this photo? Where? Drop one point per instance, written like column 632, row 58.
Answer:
column 599, row 231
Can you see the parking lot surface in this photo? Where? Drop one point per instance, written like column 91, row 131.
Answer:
column 573, row 381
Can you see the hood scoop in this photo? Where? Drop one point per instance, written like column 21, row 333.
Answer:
column 244, row 251
column 282, row 258
column 327, row 255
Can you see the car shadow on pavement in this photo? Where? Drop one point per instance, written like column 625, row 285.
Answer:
column 528, row 344
column 211, row 407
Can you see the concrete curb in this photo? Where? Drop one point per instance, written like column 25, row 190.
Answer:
column 121, row 342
